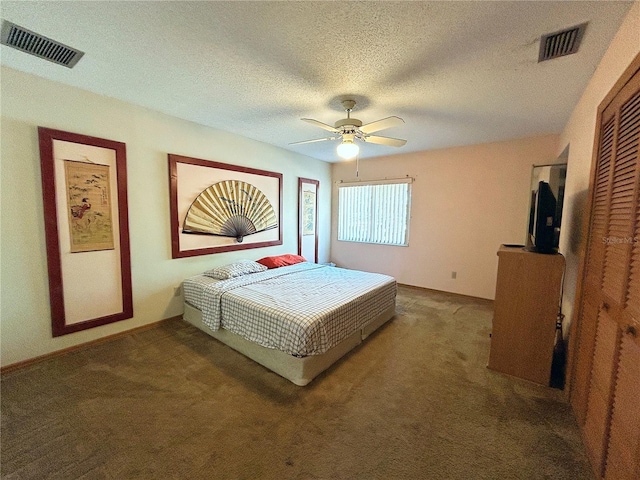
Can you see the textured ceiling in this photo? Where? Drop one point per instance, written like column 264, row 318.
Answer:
column 458, row 73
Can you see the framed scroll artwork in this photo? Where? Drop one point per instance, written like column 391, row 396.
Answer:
column 308, row 219
column 84, row 189
column 216, row 207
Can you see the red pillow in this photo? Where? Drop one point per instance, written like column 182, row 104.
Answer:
column 281, row 260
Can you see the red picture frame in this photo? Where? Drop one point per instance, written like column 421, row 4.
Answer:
column 306, row 247
column 200, row 170
column 52, row 181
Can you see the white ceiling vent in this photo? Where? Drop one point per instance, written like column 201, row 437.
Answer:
column 559, row 44
column 38, row 45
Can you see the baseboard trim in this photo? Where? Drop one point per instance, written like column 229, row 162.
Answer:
column 41, row 358
column 444, row 291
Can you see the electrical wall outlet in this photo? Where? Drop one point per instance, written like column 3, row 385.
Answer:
column 454, row 275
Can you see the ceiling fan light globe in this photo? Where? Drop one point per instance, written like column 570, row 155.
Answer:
column 348, row 150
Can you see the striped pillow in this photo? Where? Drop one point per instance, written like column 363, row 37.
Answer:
column 241, row 267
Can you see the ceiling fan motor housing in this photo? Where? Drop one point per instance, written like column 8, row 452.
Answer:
column 348, row 122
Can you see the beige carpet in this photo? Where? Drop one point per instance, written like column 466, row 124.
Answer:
column 415, row 401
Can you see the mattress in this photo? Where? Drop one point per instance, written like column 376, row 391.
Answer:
column 303, row 309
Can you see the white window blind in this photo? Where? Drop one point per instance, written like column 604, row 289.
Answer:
column 374, row 213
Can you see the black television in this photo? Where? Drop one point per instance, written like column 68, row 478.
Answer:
column 543, row 220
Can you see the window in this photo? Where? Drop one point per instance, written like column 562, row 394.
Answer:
column 375, row 212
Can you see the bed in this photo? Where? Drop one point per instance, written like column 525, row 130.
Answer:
column 296, row 320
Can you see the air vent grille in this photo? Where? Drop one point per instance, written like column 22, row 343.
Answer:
column 559, row 44
column 38, row 45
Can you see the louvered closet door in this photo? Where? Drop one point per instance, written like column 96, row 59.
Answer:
column 588, row 313
column 623, row 459
column 606, row 375
column 599, row 400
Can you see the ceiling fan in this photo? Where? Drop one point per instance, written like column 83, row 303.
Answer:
column 351, row 129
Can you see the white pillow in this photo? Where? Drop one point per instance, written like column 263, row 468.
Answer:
column 241, row 267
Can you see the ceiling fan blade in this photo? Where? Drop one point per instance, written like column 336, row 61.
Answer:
column 381, row 124
column 319, row 124
column 314, row 140
column 392, row 142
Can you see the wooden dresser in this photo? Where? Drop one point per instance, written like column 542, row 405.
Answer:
column 525, row 313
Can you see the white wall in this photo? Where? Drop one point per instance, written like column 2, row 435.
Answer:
column 579, row 135
column 29, row 102
column 466, row 201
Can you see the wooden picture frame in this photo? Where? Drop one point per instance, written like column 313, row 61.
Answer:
column 308, row 218
column 84, row 192
column 189, row 181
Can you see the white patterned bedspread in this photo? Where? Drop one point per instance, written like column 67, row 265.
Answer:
column 302, row 309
